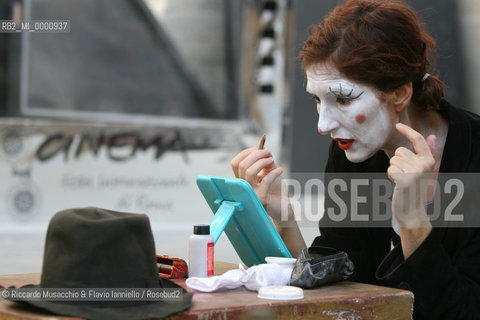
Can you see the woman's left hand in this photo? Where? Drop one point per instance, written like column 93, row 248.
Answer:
column 412, row 174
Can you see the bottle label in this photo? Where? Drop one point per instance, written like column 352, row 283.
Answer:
column 210, row 259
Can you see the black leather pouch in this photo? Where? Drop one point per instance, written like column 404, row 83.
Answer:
column 318, row 266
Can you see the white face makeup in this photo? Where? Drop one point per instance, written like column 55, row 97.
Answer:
column 350, row 112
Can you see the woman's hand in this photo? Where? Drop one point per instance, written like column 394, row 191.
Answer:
column 412, row 174
column 258, row 168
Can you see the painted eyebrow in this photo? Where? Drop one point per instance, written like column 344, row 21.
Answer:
column 341, row 94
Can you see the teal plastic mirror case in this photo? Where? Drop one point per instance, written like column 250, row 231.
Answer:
column 239, row 213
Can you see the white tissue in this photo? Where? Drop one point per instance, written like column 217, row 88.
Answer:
column 253, row 278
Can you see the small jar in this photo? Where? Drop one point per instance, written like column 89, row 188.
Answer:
column 200, row 252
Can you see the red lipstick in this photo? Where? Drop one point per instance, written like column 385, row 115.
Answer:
column 345, row 144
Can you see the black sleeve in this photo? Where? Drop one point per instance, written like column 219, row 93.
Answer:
column 444, row 277
column 366, row 247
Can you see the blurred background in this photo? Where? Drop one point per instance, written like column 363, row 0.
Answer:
column 127, row 106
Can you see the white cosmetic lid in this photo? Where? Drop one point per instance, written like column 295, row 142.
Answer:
column 280, row 293
column 281, row 260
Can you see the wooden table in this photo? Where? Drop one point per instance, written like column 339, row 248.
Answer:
column 343, row 300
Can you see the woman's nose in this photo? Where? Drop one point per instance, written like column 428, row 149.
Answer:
column 326, row 121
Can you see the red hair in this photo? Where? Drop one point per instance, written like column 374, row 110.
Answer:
column 380, row 43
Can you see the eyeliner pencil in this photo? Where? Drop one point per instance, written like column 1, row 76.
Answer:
column 262, row 142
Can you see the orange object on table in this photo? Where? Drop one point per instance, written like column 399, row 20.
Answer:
column 171, row 268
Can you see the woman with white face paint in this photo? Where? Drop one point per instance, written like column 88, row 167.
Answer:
column 366, row 66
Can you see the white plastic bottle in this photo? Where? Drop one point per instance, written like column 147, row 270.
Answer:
column 200, row 252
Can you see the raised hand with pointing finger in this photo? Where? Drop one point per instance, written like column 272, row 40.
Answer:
column 411, row 171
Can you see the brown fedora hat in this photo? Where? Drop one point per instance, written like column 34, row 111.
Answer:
column 99, row 248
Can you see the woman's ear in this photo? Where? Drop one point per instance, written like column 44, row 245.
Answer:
column 401, row 96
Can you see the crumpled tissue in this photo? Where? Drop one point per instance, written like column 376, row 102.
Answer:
column 253, row 278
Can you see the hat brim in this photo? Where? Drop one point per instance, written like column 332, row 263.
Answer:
column 149, row 310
